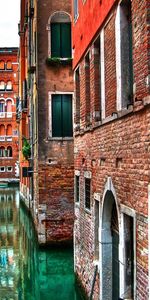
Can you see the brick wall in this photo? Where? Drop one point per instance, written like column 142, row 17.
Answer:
column 115, row 147
column 55, row 183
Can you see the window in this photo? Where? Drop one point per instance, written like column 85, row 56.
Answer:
column 2, row 86
column 87, row 88
column 77, row 188
column 2, row 129
column 88, row 193
column 77, row 97
column 62, row 115
column 2, row 109
column 129, row 256
column 2, row 152
column 9, row 86
column 9, row 65
column 9, row 151
column 2, row 65
column 9, row 108
column 124, row 58
column 2, row 169
column 61, row 36
column 9, row 129
column 9, row 169
column 76, row 9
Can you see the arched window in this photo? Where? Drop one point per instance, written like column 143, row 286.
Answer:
column 9, row 151
column 2, row 130
column 9, row 86
column 9, row 65
column 9, row 106
column 2, row 108
column 60, row 39
column 9, row 130
column 2, row 151
column 2, row 85
column 2, row 65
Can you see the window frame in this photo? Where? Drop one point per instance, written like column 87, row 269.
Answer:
column 77, row 190
column 50, row 96
column 87, row 176
column 1, row 169
column 50, row 21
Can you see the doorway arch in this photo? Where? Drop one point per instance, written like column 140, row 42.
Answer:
column 109, row 246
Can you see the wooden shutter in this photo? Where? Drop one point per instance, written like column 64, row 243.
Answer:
column 66, row 40
column 67, row 115
column 56, row 116
column 55, row 40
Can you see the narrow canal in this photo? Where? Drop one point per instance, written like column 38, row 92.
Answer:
column 28, row 272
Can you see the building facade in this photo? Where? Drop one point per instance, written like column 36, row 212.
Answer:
column 8, row 125
column 111, row 147
column 49, row 122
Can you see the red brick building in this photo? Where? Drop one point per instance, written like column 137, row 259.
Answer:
column 8, row 125
column 46, row 64
column 112, row 125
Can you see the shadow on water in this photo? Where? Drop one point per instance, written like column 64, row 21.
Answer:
column 28, row 272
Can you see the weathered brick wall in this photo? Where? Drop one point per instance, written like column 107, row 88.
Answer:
column 125, row 138
column 55, row 157
column 117, row 148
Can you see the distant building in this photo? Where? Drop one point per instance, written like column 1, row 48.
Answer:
column 112, row 126
column 9, row 167
column 47, row 174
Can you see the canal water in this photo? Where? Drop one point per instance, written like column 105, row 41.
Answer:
column 28, row 272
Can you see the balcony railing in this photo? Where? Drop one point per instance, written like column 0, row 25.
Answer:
column 5, row 114
column 7, row 138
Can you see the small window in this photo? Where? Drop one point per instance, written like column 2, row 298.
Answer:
column 77, row 97
column 9, row 130
column 2, row 86
column 62, row 115
column 9, row 169
column 2, row 107
column 2, row 65
column 61, row 36
column 87, row 193
column 9, row 151
column 9, row 86
column 77, row 189
column 9, row 65
column 2, row 152
column 2, row 169
column 2, row 130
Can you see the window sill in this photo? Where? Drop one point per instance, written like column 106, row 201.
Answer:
column 60, row 138
column 58, row 61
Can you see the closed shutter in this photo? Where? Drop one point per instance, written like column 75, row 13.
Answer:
column 56, row 116
column 62, row 116
column 65, row 40
column 55, row 40
column 67, row 115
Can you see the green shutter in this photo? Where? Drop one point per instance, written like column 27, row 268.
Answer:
column 56, row 116
column 55, row 40
column 67, row 115
column 65, row 40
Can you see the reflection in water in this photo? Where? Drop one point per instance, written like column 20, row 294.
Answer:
column 27, row 272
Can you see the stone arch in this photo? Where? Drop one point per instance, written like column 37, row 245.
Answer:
column 109, row 244
column 59, row 16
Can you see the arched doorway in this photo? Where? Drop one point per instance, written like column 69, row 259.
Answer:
column 110, row 248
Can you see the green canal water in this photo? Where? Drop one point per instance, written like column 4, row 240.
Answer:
column 28, row 272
